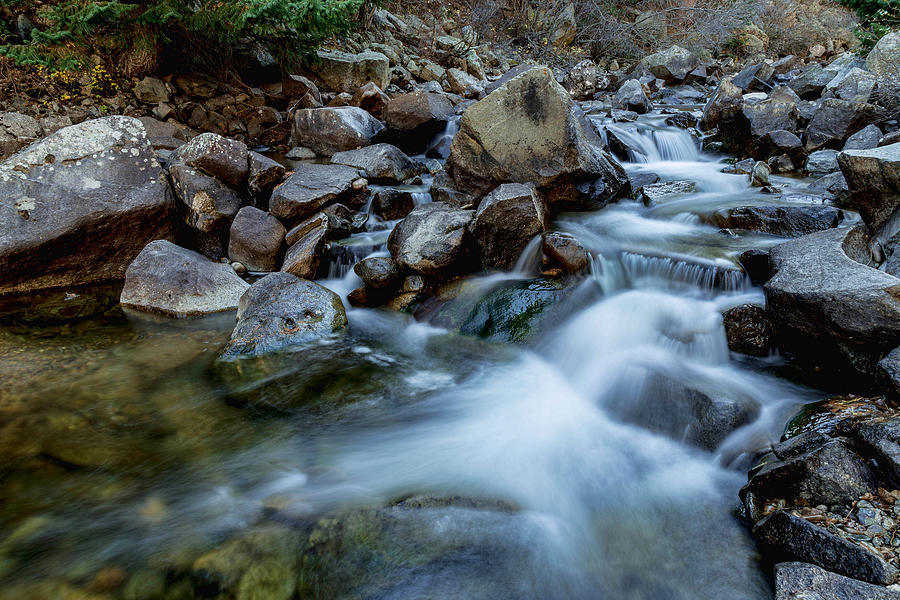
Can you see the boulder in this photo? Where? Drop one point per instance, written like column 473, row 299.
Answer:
column 881, row 439
column 884, row 59
column 391, row 204
column 264, row 174
column 672, row 64
column 786, row 221
column 506, row 221
column 873, row 178
column 803, row 581
column 78, row 206
column 208, row 205
column 378, row 273
column 280, row 310
column 371, row 99
column 464, row 84
column 256, row 239
column 383, row 163
column 301, row 91
column 151, row 90
column 334, row 129
column 631, row 96
column 311, row 187
column 217, row 156
column 810, row 83
column 866, row 138
column 743, row 126
column 563, row 251
column 854, row 85
column 529, row 130
column 434, row 238
column 726, row 100
column 176, row 282
column 836, row 120
column 822, row 162
column 306, row 257
column 787, row 537
column 16, row 131
column 827, row 306
column 759, row 174
column 413, row 120
column 336, row 226
column 343, row 72
column 747, row 330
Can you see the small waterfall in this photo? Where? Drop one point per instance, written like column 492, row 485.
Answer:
column 648, row 145
column 529, row 262
column 440, row 145
column 628, row 270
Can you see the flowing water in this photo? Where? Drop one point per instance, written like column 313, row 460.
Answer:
column 457, row 467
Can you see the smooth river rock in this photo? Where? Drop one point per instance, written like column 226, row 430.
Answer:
column 803, row 581
column 310, row 188
column 177, row 282
column 78, row 206
column 507, row 219
column 434, row 238
column 329, row 130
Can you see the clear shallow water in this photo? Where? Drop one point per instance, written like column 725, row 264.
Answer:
column 127, row 448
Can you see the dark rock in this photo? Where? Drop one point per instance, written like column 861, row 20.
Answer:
column 866, row 138
column 529, row 130
column 382, row 163
column 747, row 330
column 726, row 100
column 873, row 178
column 881, row 440
column 786, row 221
column 391, row 204
column 329, row 130
column 264, row 174
column 336, row 225
column 811, row 82
column 786, row 537
column 782, row 142
column 833, row 416
column 563, row 251
column 506, row 221
column 754, row 77
column 151, row 91
column 802, row 581
column 834, row 184
column 835, row 120
column 378, row 273
column 631, row 96
column 280, row 310
column 78, row 206
column 756, row 265
column 371, row 99
column 176, row 282
column 311, row 187
column 822, row 162
column 888, row 372
column 306, row 257
column 256, row 239
column 302, row 92
column 434, row 238
column 216, row 156
column 413, row 120
column 208, row 205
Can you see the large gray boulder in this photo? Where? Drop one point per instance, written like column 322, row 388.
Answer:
column 413, row 120
column 382, row 163
column 836, row 120
column 329, row 130
column 884, row 59
column 78, row 206
column 744, row 124
column 176, row 282
column 217, row 156
column 672, row 64
column 280, row 310
column 873, row 178
column 311, row 187
column 255, row 239
column 507, row 219
column 803, row 581
column 530, row 130
column 853, row 84
column 829, row 305
column 343, row 72
column 434, row 239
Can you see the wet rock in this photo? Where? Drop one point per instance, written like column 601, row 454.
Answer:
column 881, row 440
column 743, row 125
column 812, row 466
column 208, row 204
column 329, row 130
column 786, row 221
column 802, row 581
column 821, row 162
column 434, row 238
column 16, row 131
column 382, row 163
column 888, row 372
column 631, row 96
column 280, row 310
column 826, row 306
column 834, row 185
column 658, row 192
column 672, row 64
column 756, row 264
column 747, row 330
column 378, row 273
column 413, row 120
column 311, row 187
column 759, row 175
column 833, row 416
column 306, row 257
column 873, row 178
column 78, row 206
column 866, row 138
column 216, row 156
column 782, row 142
column 786, row 537
column 343, row 72
column 529, row 130
column 884, row 58
column 835, row 120
column 264, row 174
column 256, row 239
column 391, row 204
column 174, row 281
column 506, row 221
column 565, row 252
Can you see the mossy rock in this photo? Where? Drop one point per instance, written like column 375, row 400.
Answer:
column 832, row 415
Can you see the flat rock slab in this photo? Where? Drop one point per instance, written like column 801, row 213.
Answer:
column 78, row 206
column 310, row 188
column 802, row 581
column 170, row 280
column 787, row 221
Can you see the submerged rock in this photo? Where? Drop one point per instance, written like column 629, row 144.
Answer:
column 78, row 206
column 280, row 310
column 529, row 130
column 174, row 281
